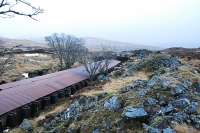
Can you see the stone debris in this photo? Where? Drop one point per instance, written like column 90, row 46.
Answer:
column 165, row 99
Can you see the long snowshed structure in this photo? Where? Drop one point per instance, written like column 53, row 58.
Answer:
column 25, row 98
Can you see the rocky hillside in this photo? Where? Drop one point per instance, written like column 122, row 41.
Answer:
column 93, row 44
column 190, row 55
column 22, row 46
column 96, row 44
column 6, row 42
column 193, row 53
column 149, row 92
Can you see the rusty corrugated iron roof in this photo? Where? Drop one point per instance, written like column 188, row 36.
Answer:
column 16, row 94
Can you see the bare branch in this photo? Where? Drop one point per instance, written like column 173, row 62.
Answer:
column 6, row 9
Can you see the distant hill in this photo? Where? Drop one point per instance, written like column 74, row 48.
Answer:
column 184, row 52
column 97, row 43
column 23, row 46
column 94, row 44
column 9, row 43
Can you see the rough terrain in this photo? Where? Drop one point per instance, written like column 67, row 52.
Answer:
column 149, row 92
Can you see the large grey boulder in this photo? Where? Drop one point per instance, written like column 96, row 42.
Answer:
column 169, row 130
column 134, row 113
column 72, row 111
column 153, row 81
column 112, row 104
column 192, row 108
column 195, row 121
column 135, row 86
column 157, row 82
column 181, row 103
column 150, row 102
column 180, row 117
column 26, row 125
column 179, row 89
column 139, row 84
column 167, row 109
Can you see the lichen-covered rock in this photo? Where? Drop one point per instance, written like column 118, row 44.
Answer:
column 192, row 108
column 26, row 125
column 150, row 101
column 167, row 109
column 158, row 82
column 180, row 117
column 169, row 130
column 142, row 92
column 158, row 61
column 163, row 100
column 134, row 113
column 113, row 103
column 179, row 89
column 135, row 86
column 139, row 84
column 72, row 111
column 195, row 121
column 181, row 103
column 153, row 81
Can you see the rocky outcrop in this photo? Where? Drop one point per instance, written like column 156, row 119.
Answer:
column 27, row 126
column 134, row 113
column 155, row 105
column 113, row 103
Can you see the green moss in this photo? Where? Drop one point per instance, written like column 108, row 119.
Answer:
column 93, row 120
column 157, row 121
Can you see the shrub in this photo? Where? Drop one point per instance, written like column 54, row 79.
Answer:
column 155, row 62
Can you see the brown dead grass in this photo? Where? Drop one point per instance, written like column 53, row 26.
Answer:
column 18, row 130
column 28, row 64
column 115, row 84
column 192, row 62
column 185, row 129
column 186, row 72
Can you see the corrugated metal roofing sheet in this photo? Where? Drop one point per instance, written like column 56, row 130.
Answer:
column 16, row 94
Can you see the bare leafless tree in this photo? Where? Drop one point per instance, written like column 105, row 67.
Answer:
column 69, row 49
column 92, row 69
column 106, row 53
column 92, row 65
column 10, row 8
column 98, row 63
column 6, row 60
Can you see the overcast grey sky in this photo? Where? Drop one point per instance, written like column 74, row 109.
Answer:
column 153, row 22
